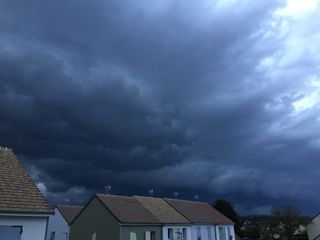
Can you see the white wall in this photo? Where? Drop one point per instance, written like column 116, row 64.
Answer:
column 232, row 232
column 58, row 224
column 214, row 232
column 313, row 228
column 176, row 228
column 203, row 231
column 34, row 228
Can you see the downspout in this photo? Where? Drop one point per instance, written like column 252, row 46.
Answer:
column 215, row 232
column 46, row 232
column 161, row 232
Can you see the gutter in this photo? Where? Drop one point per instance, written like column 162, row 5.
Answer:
column 18, row 214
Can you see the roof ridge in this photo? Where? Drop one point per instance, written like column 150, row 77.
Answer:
column 65, row 205
column 185, row 200
column 112, row 195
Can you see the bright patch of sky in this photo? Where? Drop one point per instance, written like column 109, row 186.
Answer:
column 297, row 8
column 311, row 99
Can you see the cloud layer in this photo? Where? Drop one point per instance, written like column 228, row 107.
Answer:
column 217, row 99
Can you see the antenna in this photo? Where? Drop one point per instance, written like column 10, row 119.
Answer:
column 176, row 194
column 196, row 197
column 150, row 192
column 107, row 189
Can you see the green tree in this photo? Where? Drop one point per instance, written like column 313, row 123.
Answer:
column 227, row 209
column 285, row 221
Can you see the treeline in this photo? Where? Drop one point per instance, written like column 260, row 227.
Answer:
column 285, row 223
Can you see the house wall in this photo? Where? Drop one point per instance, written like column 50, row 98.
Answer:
column 95, row 218
column 33, row 228
column 203, row 231
column 140, row 230
column 58, row 224
column 214, row 232
column 313, row 228
column 232, row 232
column 176, row 228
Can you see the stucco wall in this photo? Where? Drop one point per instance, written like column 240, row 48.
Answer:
column 140, row 230
column 34, row 228
column 214, row 232
column 58, row 224
column 225, row 226
column 95, row 218
column 203, row 231
column 176, row 228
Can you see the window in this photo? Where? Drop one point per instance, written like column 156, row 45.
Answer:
column 153, row 235
column 184, row 234
column 8, row 232
column 170, row 233
column 133, row 236
column 52, row 235
column 178, row 234
column 209, row 233
column 198, row 233
column 147, row 235
column 222, row 233
column 150, row 235
column 94, row 236
column 229, row 233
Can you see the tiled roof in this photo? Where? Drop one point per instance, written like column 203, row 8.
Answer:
column 162, row 210
column 18, row 192
column 199, row 212
column 69, row 212
column 128, row 209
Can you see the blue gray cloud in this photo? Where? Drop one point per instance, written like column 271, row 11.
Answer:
column 211, row 98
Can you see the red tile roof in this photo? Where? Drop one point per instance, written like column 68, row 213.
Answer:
column 199, row 212
column 18, row 192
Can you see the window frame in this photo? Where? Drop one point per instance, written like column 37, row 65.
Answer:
column 131, row 234
column 198, row 233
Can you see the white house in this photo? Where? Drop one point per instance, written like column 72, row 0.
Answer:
column 175, row 225
column 313, row 228
column 207, row 222
column 58, row 226
column 24, row 211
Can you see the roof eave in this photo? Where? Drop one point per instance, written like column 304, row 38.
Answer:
column 26, row 212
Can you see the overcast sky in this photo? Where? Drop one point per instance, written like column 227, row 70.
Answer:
column 219, row 99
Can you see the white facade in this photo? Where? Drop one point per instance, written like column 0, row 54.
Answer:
column 32, row 227
column 203, row 232
column 178, row 232
column 313, row 228
column 199, row 232
column 225, row 232
column 213, row 232
column 58, row 228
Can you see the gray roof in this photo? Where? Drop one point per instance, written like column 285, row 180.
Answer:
column 162, row 210
column 128, row 209
column 69, row 212
column 199, row 212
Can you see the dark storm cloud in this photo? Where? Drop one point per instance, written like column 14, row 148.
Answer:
column 202, row 98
